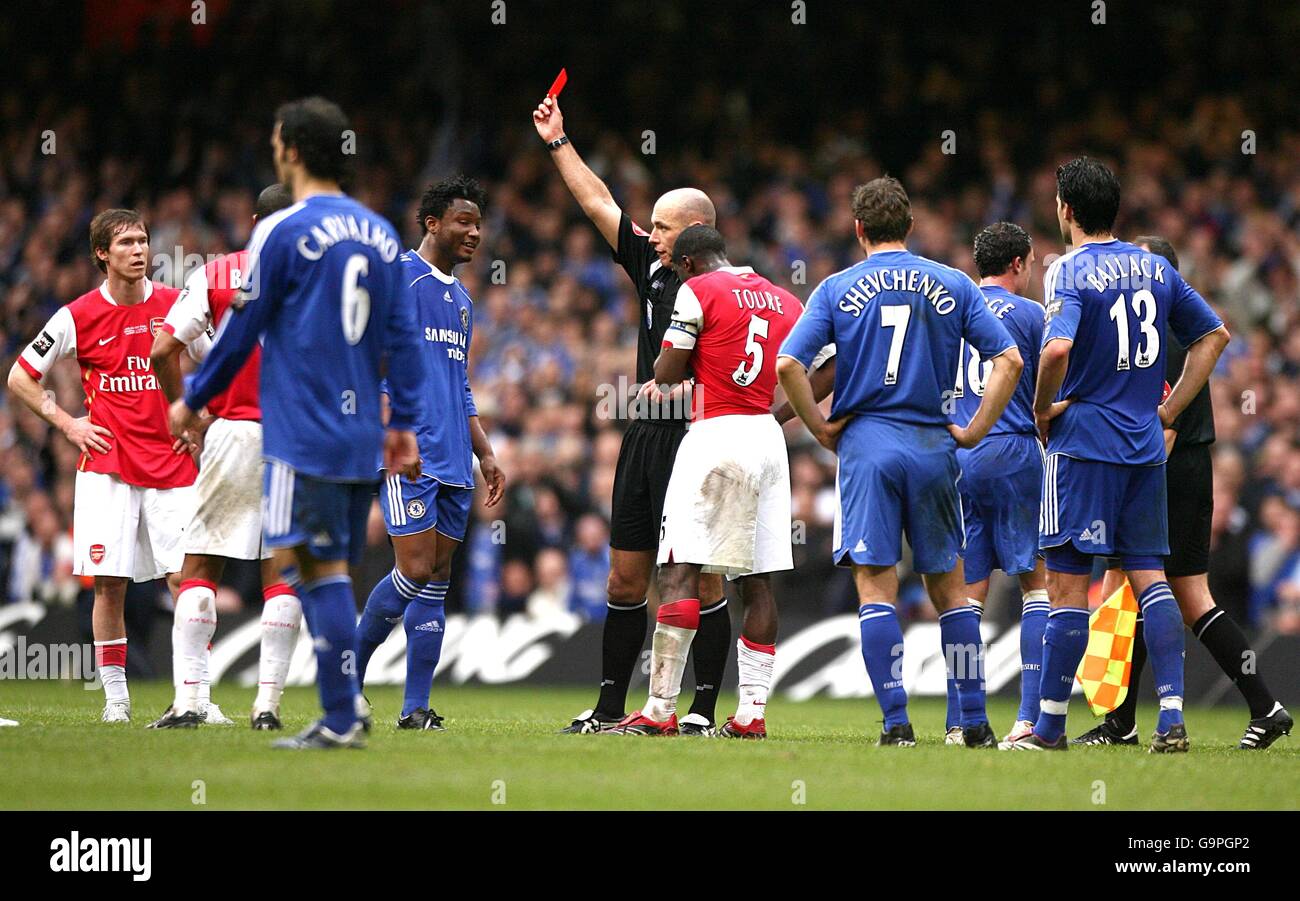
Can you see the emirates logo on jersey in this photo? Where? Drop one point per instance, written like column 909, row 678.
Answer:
column 139, row 377
column 97, row 554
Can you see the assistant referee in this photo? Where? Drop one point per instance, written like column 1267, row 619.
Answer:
column 649, row 448
column 1189, row 473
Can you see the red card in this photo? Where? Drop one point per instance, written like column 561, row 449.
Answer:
column 558, row 85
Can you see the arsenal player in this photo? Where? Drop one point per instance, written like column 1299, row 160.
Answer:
column 228, row 517
column 727, row 509
column 134, row 486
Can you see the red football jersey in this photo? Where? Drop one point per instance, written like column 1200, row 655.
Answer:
column 735, row 320
column 193, row 321
column 112, row 344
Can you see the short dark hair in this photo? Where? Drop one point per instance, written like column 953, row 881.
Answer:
column 314, row 127
column 437, row 197
column 1160, row 247
column 882, row 206
column 699, row 242
column 1092, row 191
column 106, row 225
column 273, row 198
column 998, row 245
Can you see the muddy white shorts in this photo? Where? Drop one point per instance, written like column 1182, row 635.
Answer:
column 728, row 501
column 129, row 531
column 228, row 519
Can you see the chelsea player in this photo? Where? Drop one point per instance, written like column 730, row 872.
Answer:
column 1002, row 478
column 1097, row 407
column 427, row 516
column 327, row 294
column 897, row 321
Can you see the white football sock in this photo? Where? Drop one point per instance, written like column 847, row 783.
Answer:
column 669, row 648
column 754, row 663
column 193, row 626
column 112, row 675
column 205, row 681
column 281, row 619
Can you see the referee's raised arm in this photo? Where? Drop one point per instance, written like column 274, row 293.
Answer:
column 585, row 186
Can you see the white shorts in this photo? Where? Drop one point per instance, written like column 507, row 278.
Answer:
column 228, row 519
column 128, row 531
column 728, row 502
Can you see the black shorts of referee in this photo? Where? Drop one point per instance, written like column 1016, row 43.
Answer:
column 645, row 464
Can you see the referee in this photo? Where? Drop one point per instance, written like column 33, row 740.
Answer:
column 1189, row 473
column 645, row 460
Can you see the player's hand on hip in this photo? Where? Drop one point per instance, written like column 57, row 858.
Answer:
column 89, row 438
column 829, row 435
column 1170, row 437
column 402, row 453
column 963, row 436
column 548, row 119
column 1042, row 421
column 180, row 418
column 495, row 479
column 1166, row 419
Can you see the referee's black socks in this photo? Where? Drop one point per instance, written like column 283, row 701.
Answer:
column 1224, row 639
column 620, row 646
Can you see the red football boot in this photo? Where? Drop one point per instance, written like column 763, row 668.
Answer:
column 757, row 728
column 636, row 724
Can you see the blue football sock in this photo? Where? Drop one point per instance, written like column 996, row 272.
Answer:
column 1033, row 620
column 425, row 622
column 383, row 610
column 882, row 651
column 1163, row 632
column 963, row 653
column 330, row 609
column 1064, row 642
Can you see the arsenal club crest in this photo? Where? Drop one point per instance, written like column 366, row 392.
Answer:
column 155, row 324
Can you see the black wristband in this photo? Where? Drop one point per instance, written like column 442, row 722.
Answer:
column 557, row 143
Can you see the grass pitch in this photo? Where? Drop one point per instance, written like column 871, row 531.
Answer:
column 500, row 752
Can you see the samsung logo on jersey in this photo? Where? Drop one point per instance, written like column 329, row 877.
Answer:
column 333, row 229
column 913, row 280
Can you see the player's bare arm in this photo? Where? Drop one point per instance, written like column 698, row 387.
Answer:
column 823, row 383
column 487, row 463
column 1201, row 359
column 401, row 453
column 1007, row 367
column 1052, row 364
column 586, row 187
column 88, row 437
column 165, row 356
column 799, row 394
column 672, row 365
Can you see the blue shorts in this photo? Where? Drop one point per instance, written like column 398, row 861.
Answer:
column 1001, row 486
column 896, row 479
column 1105, row 509
column 414, row 507
column 328, row 518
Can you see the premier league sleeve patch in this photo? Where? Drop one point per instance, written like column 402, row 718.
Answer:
column 43, row 344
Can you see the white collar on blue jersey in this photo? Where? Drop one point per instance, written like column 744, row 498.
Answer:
column 437, row 273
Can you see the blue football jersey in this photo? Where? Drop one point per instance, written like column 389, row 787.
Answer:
column 445, row 316
column 1114, row 300
column 1023, row 319
column 897, row 321
column 329, row 298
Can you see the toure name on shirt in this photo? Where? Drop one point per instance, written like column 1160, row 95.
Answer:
column 867, row 288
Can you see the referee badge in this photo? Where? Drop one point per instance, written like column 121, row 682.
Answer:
column 415, row 509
